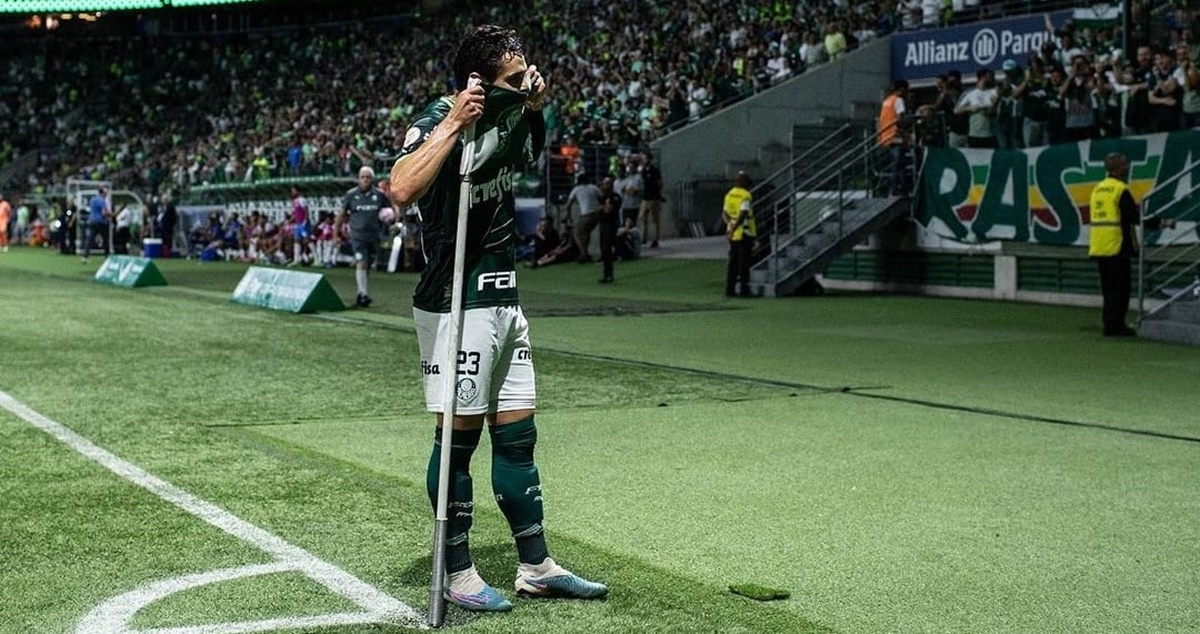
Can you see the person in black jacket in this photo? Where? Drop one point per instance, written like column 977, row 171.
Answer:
column 652, row 199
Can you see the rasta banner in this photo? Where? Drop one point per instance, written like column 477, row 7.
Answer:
column 969, row 197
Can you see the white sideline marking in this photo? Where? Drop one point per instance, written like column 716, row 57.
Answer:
column 112, row 617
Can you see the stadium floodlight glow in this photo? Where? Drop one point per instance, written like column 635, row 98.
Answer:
column 75, row 6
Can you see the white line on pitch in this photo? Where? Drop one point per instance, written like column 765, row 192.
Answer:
column 270, row 625
column 336, row 579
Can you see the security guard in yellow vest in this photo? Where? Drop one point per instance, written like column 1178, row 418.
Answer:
column 741, row 231
column 1113, row 241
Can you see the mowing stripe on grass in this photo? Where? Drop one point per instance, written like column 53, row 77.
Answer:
column 112, row 616
column 860, row 391
column 1026, row 417
column 865, row 392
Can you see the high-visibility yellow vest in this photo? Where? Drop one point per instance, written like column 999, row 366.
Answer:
column 734, row 200
column 1105, row 238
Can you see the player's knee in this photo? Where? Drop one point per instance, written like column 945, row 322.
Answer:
column 515, row 441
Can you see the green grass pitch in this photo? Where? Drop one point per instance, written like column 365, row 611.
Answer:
column 893, row 464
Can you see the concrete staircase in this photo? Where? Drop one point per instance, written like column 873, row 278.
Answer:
column 798, row 257
column 1178, row 322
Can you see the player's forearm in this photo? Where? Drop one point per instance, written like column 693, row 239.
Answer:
column 412, row 175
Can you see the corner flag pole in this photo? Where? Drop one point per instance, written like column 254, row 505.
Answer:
column 437, row 600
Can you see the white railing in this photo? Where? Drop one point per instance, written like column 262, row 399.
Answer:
column 1171, row 268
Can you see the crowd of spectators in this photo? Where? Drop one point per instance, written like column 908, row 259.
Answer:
column 1079, row 86
column 154, row 112
column 158, row 113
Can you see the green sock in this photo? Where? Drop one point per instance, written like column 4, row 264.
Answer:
column 461, row 502
column 517, row 487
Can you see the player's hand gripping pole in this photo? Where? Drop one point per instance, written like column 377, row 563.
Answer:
column 437, row 600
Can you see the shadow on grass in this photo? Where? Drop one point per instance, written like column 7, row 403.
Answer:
column 638, row 592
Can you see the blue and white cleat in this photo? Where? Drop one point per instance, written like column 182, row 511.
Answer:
column 486, row 600
column 469, row 591
column 550, row 580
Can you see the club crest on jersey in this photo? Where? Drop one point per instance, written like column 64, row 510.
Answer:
column 496, row 139
column 466, row 389
column 500, row 280
column 412, row 136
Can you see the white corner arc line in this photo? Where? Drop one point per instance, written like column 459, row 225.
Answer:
column 114, row 614
column 378, row 603
column 269, row 625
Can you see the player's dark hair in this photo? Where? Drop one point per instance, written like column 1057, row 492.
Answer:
column 482, row 51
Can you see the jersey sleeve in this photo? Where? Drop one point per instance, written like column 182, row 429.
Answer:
column 420, row 128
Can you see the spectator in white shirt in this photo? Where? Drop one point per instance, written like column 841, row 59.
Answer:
column 585, row 196
column 812, row 51
column 121, row 238
column 778, row 65
column 929, row 12
column 981, row 104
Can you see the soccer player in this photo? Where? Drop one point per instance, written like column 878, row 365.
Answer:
column 361, row 208
column 300, row 226
column 495, row 380
column 99, row 212
column 5, row 216
column 324, row 233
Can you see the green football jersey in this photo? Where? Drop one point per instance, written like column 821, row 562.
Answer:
column 363, row 207
column 502, row 145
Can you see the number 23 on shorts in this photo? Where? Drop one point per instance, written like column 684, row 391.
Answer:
column 468, row 363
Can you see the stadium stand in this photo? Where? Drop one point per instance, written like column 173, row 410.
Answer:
column 183, row 107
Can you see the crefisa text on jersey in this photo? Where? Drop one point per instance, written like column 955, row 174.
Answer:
column 494, row 189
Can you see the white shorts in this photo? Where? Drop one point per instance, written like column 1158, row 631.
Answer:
column 495, row 364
